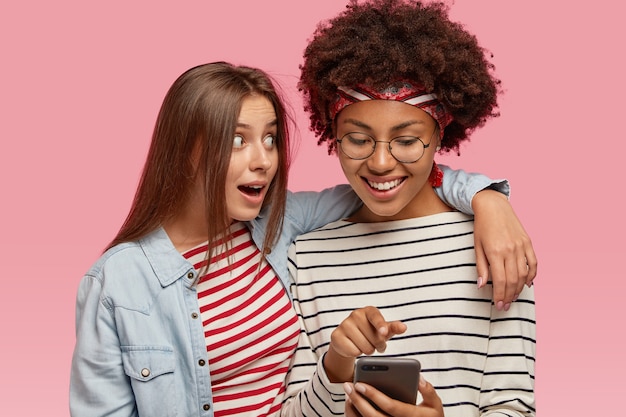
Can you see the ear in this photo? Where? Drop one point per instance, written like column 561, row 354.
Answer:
column 439, row 133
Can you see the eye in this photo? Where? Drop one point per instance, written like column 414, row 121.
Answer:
column 238, row 141
column 406, row 141
column 359, row 139
column 269, row 141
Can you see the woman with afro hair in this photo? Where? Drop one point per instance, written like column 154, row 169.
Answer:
column 388, row 84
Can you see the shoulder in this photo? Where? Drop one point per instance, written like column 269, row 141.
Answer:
column 116, row 258
column 119, row 270
column 452, row 220
column 134, row 273
column 323, row 238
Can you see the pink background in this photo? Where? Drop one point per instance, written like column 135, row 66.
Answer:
column 80, row 86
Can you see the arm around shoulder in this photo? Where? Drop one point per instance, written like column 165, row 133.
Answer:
column 504, row 251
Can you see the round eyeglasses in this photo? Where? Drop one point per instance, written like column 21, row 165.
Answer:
column 404, row 149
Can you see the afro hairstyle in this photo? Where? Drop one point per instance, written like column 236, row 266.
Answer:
column 377, row 42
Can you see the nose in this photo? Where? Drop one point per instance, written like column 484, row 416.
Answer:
column 381, row 160
column 260, row 158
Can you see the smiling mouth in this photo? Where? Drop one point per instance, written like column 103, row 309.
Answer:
column 253, row 190
column 385, row 186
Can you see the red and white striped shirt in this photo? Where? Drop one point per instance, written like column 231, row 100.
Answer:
column 250, row 326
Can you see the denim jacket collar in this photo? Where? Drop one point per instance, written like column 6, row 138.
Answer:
column 167, row 263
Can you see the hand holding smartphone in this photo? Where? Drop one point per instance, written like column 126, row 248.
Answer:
column 397, row 378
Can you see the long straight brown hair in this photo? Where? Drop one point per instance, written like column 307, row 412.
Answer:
column 201, row 109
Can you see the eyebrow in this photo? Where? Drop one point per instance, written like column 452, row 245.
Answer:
column 397, row 127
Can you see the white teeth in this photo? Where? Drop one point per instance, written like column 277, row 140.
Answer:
column 384, row 186
column 256, row 187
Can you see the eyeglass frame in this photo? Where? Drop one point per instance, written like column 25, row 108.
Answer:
column 388, row 142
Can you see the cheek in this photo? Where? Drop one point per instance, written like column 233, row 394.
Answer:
column 350, row 169
column 235, row 168
column 424, row 166
column 345, row 164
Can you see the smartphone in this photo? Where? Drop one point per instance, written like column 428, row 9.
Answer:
column 397, row 378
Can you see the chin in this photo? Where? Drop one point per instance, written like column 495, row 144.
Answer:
column 383, row 210
column 244, row 218
column 382, row 215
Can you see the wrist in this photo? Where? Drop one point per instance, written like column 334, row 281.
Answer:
column 338, row 368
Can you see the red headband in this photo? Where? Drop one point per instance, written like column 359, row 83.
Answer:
column 404, row 91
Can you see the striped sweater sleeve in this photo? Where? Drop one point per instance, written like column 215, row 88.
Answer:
column 309, row 391
column 507, row 387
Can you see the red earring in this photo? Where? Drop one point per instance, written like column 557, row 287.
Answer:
column 436, row 176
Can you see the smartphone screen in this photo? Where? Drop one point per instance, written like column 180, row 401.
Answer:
column 397, row 378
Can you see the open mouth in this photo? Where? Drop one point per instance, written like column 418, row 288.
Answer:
column 385, row 186
column 253, row 190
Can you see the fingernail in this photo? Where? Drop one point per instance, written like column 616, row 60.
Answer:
column 480, row 282
column 360, row 388
column 347, row 388
column 500, row 305
column 507, row 306
column 516, row 297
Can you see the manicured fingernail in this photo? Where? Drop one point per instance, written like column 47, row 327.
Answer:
column 516, row 297
column 499, row 305
column 507, row 306
column 422, row 381
column 480, row 282
column 347, row 388
column 360, row 388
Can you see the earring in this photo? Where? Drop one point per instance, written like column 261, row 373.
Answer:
column 438, row 148
column 436, row 176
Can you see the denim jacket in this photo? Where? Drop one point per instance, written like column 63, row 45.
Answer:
column 140, row 347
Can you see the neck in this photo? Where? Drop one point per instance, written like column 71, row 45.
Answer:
column 187, row 229
column 426, row 203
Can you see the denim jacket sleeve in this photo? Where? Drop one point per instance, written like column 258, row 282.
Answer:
column 305, row 211
column 309, row 210
column 97, row 359
column 459, row 188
